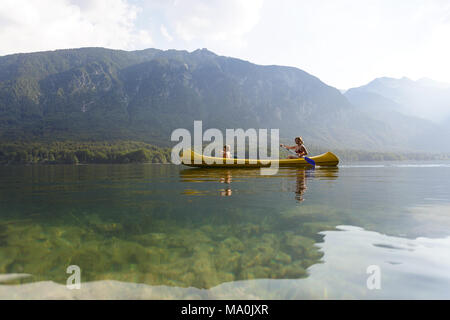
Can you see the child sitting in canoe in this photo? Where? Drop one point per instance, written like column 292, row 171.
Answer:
column 226, row 151
column 299, row 148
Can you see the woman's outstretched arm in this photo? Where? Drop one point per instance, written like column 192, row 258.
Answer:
column 287, row 147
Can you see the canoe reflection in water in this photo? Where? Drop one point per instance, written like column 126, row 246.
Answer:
column 227, row 180
column 300, row 186
column 296, row 179
column 223, row 176
column 302, row 175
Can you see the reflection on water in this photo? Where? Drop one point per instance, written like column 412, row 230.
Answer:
column 227, row 231
column 225, row 177
column 300, row 185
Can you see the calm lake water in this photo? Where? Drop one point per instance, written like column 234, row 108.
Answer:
column 171, row 232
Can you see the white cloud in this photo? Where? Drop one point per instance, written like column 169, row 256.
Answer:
column 165, row 33
column 213, row 23
column 28, row 25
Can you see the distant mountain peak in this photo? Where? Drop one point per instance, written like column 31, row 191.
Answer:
column 424, row 98
column 427, row 82
column 395, row 82
column 391, row 82
column 204, row 51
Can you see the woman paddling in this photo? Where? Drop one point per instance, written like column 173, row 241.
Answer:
column 299, row 148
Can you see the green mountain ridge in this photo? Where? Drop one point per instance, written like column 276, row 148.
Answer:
column 97, row 94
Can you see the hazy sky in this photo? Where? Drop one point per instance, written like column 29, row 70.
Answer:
column 345, row 43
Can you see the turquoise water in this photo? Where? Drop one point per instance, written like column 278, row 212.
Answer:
column 164, row 231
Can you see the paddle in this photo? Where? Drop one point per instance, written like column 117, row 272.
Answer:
column 309, row 160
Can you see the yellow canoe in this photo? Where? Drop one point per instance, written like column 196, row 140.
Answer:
column 193, row 159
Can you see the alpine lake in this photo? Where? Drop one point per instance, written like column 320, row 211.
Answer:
column 148, row 231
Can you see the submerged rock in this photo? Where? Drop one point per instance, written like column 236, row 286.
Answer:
column 233, row 244
column 294, row 270
column 283, row 258
column 173, row 254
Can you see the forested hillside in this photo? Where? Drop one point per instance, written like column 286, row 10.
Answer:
column 96, row 95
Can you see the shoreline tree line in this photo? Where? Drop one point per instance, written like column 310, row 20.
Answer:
column 72, row 152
